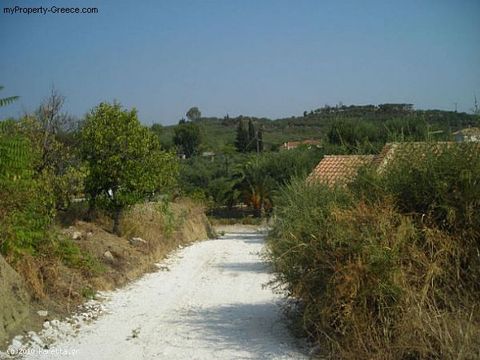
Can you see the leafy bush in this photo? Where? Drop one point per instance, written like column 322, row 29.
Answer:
column 442, row 184
column 388, row 267
column 26, row 199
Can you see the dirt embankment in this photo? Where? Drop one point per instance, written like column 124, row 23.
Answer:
column 14, row 301
column 44, row 288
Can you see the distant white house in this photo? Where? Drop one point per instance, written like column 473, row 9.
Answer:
column 468, row 135
column 289, row 145
column 208, row 154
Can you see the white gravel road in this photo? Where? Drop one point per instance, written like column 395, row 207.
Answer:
column 207, row 301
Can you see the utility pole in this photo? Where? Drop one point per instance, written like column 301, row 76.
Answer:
column 455, row 106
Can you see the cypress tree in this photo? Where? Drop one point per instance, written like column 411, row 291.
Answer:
column 260, row 141
column 241, row 140
column 252, row 143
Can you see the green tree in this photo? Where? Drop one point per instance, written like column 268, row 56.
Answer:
column 252, row 136
column 26, row 206
column 51, row 134
column 187, row 137
column 258, row 185
column 26, row 201
column 157, row 129
column 241, row 139
column 124, row 159
column 260, row 141
column 194, row 114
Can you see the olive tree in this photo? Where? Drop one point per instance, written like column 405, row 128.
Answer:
column 125, row 160
column 187, row 137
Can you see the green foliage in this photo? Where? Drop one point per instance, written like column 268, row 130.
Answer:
column 367, row 136
column 72, row 256
column 188, row 138
column 52, row 134
column 242, row 138
column 8, row 100
column 26, row 200
column 157, row 129
column 88, row 293
column 169, row 220
column 124, row 159
column 447, row 185
column 231, row 178
column 213, row 181
column 257, row 185
column 377, row 125
column 387, row 267
column 56, row 161
column 248, row 138
column 264, row 174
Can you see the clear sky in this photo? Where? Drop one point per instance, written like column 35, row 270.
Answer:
column 273, row 58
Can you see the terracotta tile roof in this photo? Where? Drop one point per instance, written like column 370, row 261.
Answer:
column 339, row 169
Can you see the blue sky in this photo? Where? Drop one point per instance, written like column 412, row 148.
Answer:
column 273, row 58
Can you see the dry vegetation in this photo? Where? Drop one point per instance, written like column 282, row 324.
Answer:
column 387, row 268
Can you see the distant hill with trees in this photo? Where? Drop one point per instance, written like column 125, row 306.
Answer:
column 371, row 126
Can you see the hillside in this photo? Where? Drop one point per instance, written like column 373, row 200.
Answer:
column 387, row 119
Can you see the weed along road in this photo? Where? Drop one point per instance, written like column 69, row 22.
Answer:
column 207, row 301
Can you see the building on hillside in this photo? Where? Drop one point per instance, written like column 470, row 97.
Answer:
column 468, row 135
column 289, row 145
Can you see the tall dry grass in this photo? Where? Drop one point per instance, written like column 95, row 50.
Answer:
column 389, row 267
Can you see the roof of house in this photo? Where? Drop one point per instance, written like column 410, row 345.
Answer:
column 339, row 169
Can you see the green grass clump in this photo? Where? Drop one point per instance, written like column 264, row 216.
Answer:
column 71, row 255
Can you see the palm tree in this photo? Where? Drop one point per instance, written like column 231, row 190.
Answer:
column 7, row 100
column 258, row 186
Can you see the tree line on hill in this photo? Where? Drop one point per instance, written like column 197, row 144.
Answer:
column 367, row 126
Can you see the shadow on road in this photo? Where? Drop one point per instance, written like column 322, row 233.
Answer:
column 249, row 238
column 257, row 267
column 254, row 329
